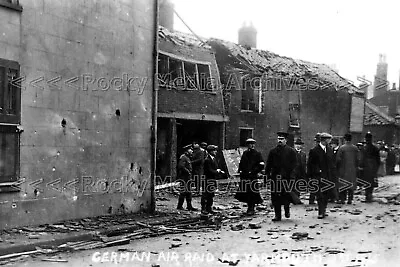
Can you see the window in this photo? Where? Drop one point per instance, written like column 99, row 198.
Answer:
column 205, row 77
column 181, row 74
column 294, row 115
column 9, row 148
column 252, row 94
column 10, row 106
column 245, row 133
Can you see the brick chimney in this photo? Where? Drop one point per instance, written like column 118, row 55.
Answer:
column 166, row 14
column 248, row 35
column 380, row 82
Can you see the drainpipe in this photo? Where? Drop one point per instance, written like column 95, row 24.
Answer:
column 154, row 111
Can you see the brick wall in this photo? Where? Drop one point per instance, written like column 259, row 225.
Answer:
column 324, row 110
column 82, row 61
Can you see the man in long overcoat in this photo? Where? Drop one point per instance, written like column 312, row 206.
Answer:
column 212, row 174
column 322, row 168
column 184, row 176
column 369, row 166
column 347, row 162
column 250, row 167
column 280, row 169
column 317, row 140
column 198, row 157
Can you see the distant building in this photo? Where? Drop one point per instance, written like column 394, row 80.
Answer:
column 382, row 126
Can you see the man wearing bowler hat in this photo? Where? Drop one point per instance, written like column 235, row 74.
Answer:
column 250, row 167
column 280, row 168
column 185, row 179
column 212, row 174
column 322, row 168
column 347, row 162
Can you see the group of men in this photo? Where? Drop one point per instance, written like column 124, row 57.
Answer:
column 198, row 161
column 289, row 172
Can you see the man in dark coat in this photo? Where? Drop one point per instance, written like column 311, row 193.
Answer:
column 335, row 148
column 212, row 174
column 322, row 168
column 250, row 167
column 198, row 157
column 317, row 140
column 280, row 169
column 369, row 166
column 300, row 171
column 347, row 162
column 390, row 161
column 185, row 179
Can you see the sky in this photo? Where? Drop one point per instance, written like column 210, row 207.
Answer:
column 349, row 34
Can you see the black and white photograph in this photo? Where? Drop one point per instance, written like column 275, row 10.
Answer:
column 164, row 133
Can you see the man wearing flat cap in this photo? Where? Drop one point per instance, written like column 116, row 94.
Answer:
column 212, row 174
column 322, row 169
column 250, row 167
column 369, row 166
column 280, row 168
column 347, row 162
column 300, row 173
column 185, row 178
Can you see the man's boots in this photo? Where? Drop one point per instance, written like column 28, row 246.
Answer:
column 287, row 211
column 181, row 199
column 250, row 209
column 278, row 213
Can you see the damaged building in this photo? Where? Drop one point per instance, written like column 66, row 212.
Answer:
column 190, row 103
column 382, row 126
column 76, row 123
column 265, row 93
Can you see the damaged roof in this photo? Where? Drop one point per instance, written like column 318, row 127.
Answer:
column 262, row 61
column 374, row 116
column 184, row 39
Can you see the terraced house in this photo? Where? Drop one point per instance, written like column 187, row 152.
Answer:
column 265, row 93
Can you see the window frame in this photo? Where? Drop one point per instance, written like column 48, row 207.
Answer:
column 294, row 107
column 171, row 84
column 10, row 118
column 12, row 182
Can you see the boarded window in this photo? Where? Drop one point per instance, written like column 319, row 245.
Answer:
column 252, row 95
column 9, row 92
column 245, row 133
column 294, row 115
column 10, row 95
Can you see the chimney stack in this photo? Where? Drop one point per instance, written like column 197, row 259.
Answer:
column 166, row 14
column 248, row 36
column 380, row 82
